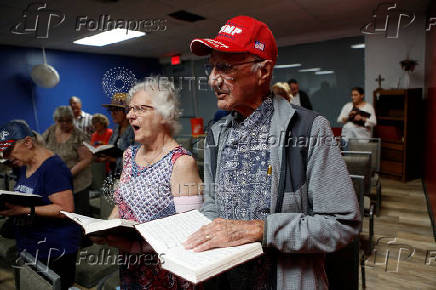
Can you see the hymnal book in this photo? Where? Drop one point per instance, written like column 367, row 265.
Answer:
column 167, row 235
column 362, row 114
column 109, row 150
column 19, row 198
column 101, row 227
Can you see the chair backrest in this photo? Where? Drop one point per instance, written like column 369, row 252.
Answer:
column 359, row 163
column 185, row 141
column 98, row 170
column 198, row 149
column 359, row 189
column 372, row 145
column 31, row 274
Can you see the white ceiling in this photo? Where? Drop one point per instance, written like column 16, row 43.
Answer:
column 292, row 21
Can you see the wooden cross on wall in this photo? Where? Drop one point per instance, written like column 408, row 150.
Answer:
column 379, row 80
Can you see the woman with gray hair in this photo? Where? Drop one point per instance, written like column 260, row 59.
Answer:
column 66, row 140
column 158, row 174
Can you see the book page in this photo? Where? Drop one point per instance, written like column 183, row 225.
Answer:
column 103, row 147
column 82, row 220
column 7, row 192
column 91, row 225
column 164, row 234
column 197, row 267
column 99, row 148
column 90, row 147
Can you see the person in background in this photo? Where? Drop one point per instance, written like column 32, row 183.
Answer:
column 64, row 139
column 300, row 97
column 159, row 178
column 41, row 230
column 122, row 135
column 298, row 200
column 283, row 90
column 82, row 120
column 358, row 116
column 102, row 133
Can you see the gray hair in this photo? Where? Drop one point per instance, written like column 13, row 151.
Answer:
column 63, row 112
column 258, row 64
column 164, row 98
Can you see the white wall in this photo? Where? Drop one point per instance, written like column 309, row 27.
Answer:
column 383, row 55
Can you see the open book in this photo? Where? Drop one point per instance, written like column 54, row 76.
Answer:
column 18, row 198
column 167, row 235
column 109, row 150
column 101, row 227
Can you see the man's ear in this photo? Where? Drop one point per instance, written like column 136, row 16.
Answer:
column 265, row 72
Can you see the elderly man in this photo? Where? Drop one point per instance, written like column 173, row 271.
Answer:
column 260, row 186
column 82, row 120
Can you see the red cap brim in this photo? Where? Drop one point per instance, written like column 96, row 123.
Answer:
column 6, row 144
column 204, row 46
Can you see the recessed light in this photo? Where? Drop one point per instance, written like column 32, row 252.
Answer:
column 287, row 65
column 310, row 69
column 324, row 72
column 359, row 45
column 109, row 37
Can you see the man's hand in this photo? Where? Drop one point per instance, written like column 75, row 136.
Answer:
column 13, row 210
column 223, row 233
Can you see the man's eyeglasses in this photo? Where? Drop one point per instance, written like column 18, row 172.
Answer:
column 225, row 69
column 139, row 109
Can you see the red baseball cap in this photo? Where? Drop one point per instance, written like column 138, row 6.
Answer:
column 240, row 34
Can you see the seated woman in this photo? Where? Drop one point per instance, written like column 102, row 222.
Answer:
column 159, row 178
column 358, row 117
column 102, row 133
column 64, row 139
column 41, row 230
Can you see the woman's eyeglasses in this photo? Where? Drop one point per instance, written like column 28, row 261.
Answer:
column 225, row 69
column 60, row 120
column 139, row 109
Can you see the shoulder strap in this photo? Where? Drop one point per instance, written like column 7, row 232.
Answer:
column 295, row 153
column 210, row 142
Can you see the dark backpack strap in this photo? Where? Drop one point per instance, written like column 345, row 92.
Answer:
column 296, row 153
column 213, row 149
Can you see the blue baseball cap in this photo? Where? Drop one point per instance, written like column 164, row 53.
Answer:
column 13, row 131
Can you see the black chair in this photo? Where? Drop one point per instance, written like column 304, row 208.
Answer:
column 372, row 145
column 359, row 163
column 31, row 274
column 342, row 266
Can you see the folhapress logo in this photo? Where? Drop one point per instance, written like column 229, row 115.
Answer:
column 38, row 20
column 388, row 19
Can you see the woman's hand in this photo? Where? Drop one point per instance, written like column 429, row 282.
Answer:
column 14, row 210
column 84, row 153
column 85, row 159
